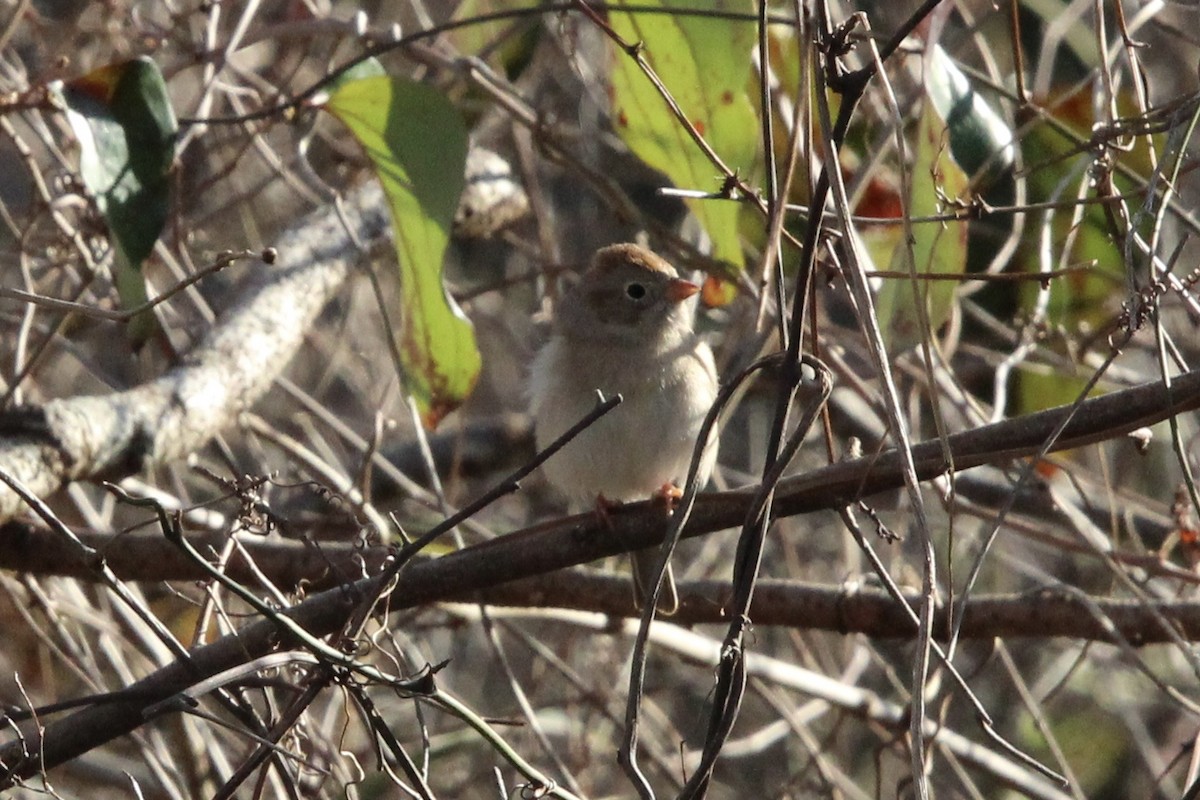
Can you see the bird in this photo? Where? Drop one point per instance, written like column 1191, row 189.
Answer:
column 626, row 327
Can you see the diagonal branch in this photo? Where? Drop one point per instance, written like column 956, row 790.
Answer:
column 115, row 435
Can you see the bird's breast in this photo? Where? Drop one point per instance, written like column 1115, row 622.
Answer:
column 641, row 444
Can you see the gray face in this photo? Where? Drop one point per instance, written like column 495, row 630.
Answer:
column 629, row 297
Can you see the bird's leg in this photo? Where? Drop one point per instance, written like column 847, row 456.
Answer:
column 645, row 563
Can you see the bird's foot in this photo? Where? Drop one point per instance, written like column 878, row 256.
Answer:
column 668, row 495
column 604, row 508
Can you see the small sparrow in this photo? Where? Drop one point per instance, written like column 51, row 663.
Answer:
column 626, row 329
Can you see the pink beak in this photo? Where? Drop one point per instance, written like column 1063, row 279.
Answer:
column 679, row 290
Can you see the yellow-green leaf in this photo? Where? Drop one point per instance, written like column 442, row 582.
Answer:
column 418, row 145
column 705, row 63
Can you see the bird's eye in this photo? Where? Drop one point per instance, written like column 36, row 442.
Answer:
column 635, row 291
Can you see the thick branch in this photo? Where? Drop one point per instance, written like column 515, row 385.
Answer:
column 110, row 436
column 844, row 609
column 1043, row 613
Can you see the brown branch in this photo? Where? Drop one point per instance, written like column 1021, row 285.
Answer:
column 579, row 539
column 1049, row 612
column 797, row 604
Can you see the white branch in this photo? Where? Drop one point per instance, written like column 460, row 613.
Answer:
column 110, row 436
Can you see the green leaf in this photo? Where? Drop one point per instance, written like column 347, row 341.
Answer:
column 418, row 145
column 122, row 117
column 705, row 64
column 936, row 248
